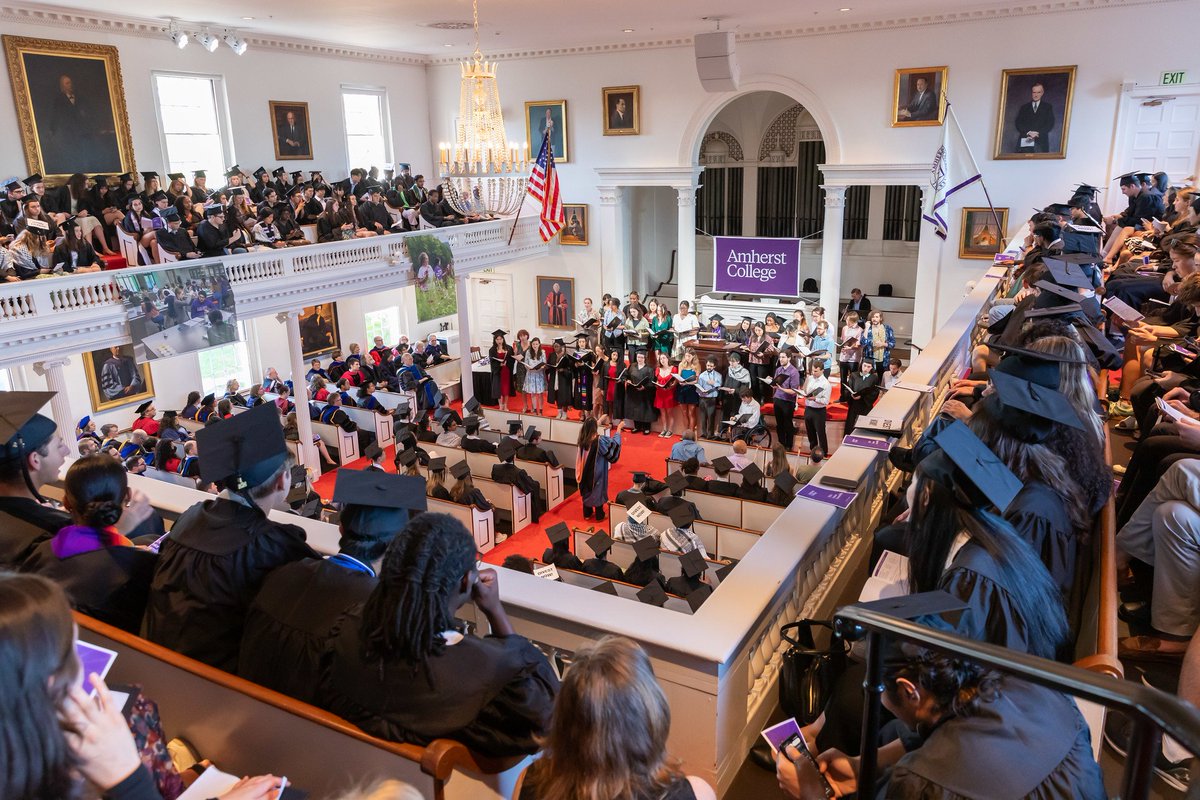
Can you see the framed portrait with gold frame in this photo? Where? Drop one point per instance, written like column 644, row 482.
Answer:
column 115, row 379
column 71, row 112
column 622, row 110
column 541, row 115
column 291, row 131
column 919, row 97
column 575, row 231
column 979, row 237
column 1035, row 113
column 556, row 302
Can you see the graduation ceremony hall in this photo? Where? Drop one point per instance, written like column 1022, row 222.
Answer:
column 426, row 400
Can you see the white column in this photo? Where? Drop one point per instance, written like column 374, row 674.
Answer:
column 464, row 336
column 300, row 389
column 831, row 253
column 686, row 281
column 925, row 302
column 60, row 404
column 616, row 277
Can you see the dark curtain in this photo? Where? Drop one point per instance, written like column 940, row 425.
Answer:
column 902, row 214
column 777, row 201
column 858, row 211
column 719, row 202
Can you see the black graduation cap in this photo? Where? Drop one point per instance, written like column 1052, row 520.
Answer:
column 965, row 463
column 142, row 408
column 35, row 178
column 646, row 548
column 1067, row 273
column 436, row 464
column 1061, row 209
column 244, row 450
column 600, row 543
column 692, row 563
column 717, row 317
column 234, row 191
column 638, row 477
column 159, row 195
column 506, row 449
column 1079, row 258
column 214, row 209
column 559, row 340
column 514, row 425
column 652, row 594
column 460, row 470
column 1034, row 355
column 407, row 458
column 472, row 406
column 786, row 482
column 580, row 335
column 914, row 606
column 530, row 434
column 1129, row 177
column 124, row 176
column 22, row 428
column 697, row 596
column 175, row 176
column 499, row 332
column 13, row 185
column 199, row 174
column 606, row 587
column 682, row 516
column 313, row 172
column 1048, row 404
column 296, row 175
column 375, row 502
column 295, row 190
column 275, row 173
column 208, row 399
column 373, row 451
column 723, row 572
column 722, row 464
column 38, row 226
column 751, row 474
column 260, row 172
column 1070, row 295
column 676, row 481
column 232, row 171
column 1047, row 305
column 1086, row 189
column 470, row 420
column 558, row 532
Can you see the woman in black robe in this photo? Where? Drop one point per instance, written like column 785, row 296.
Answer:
column 500, row 359
column 583, row 361
column 560, row 374
column 639, row 399
column 104, row 575
column 399, row 668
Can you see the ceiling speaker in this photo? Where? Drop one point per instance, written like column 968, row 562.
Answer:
column 716, row 61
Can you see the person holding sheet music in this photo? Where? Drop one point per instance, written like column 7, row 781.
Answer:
column 614, row 385
column 737, row 377
column 816, row 393
column 686, row 325
column 500, row 357
column 823, row 342
column 560, row 375
column 582, row 363
column 760, row 352
column 637, row 329
column 748, row 416
column 850, row 348
column 613, row 324
column 878, row 342
column 639, row 393
column 686, row 395
column 708, row 391
column 599, row 448
column 862, row 390
column 743, row 332
column 519, row 349
column 599, row 377
column 786, row 382
column 665, row 378
column 534, row 383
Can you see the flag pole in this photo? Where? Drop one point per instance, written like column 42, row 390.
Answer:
column 951, row 116
column 517, row 218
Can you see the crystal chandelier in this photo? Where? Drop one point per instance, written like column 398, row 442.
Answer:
column 482, row 173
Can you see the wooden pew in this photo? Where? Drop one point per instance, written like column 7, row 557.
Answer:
column 720, row 541
column 548, row 477
column 623, row 555
column 1096, row 645
column 503, row 496
column 628, row 591
column 706, row 471
column 380, row 424
column 565, row 453
column 247, row 729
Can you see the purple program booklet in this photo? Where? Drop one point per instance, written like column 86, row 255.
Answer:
column 868, row 442
column 93, row 658
column 830, row 496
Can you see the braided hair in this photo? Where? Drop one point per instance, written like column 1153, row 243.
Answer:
column 95, row 489
column 407, row 612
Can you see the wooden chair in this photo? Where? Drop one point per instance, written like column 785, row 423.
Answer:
column 131, row 248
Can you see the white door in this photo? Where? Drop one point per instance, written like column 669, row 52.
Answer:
column 491, row 306
column 1159, row 131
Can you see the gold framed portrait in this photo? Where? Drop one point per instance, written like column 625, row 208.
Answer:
column 575, row 231
column 115, row 379
column 290, row 131
column 622, row 110
column 71, row 112
column 1035, row 113
column 556, row 302
column 979, row 237
column 543, row 115
column 919, row 97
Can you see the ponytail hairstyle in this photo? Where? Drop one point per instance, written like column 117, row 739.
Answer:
column 96, row 490
column 408, row 610
column 958, row 686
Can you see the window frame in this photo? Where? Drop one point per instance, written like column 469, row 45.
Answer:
column 385, row 120
column 220, row 99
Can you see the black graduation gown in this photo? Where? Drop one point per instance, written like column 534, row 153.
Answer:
column 497, row 367
column 209, row 570
column 493, row 694
column 602, row 568
column 563, row 559
column 1040, row 517
column 562, row 373
column 290, row 621
column 531, row 452
column 440, row 493
column 1030, row 742
column 582, row 391
column 109, row 584
column 24, row 525
column 991, row 615
column 630, row 497
column 639, row 402
column 473, row 444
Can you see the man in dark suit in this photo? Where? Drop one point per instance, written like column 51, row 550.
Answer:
column 639, row 492
column 471, row 441
column 173, row 240
column 405, row 179
column 862, row 390
column 293, row 140
column 431, row 210
column 533, row 451
column 921, row 106
column 355, row 184
column 691, row 468
column 620, row 119
column 721, row 484
column 1034, row 122
column 861, row 303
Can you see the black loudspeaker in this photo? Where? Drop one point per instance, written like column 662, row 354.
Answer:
column 810, row 285
column 885, row 290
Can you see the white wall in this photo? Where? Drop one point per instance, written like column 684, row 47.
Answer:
column 251, row 80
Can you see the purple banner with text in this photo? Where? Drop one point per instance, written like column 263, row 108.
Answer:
column 757, row 267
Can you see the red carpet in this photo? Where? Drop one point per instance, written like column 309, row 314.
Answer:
column 638, row 454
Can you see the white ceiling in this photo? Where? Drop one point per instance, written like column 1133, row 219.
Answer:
column 516, row 24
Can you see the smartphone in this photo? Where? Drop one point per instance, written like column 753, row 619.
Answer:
column 846, row 484
column 787, row 734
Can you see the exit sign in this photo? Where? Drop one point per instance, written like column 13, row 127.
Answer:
column 1174, row 78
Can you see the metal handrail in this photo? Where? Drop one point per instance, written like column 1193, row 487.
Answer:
column 1153, row 711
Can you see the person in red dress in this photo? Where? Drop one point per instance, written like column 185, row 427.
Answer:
column 501, row 361
column 664, row 395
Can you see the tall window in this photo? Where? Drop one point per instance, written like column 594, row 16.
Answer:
column 190, row 118
column 220, row 364
column 366, row 127
column 385, row 323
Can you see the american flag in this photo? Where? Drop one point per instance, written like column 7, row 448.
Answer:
column 543, row 185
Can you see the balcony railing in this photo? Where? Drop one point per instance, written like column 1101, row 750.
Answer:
column 75, row 313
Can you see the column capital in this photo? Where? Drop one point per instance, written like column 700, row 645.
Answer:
column 284, row 316
column 609, row 195
column 835, row 196
column 42, row 367
column 686, row 195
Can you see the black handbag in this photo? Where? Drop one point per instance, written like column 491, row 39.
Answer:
column 807, row 675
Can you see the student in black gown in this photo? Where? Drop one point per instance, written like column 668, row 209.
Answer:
column 104, row 575
column 399, row 668
column 220, row 550
column 583, row 362
column 292, row 616
column 559, row 552
column 639, row 393
column 599, row 565
column 502, row 364
column 978, row 734
column 560, row 373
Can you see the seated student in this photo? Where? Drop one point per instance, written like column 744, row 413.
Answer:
column 105, row 576
column 423, row 432
column 165, row 458
column 688, row 448
column 645, row 568
column 966, row 716
column 37, row 640
column 679, row 537
column 191, row 407
column 508, row 472
column 219, row 551
column 677, row 485
column 721, row 484
column 293, row 615
column 471, row 441
column 74, row 253
column 600, row 544
column 207, row 408
column 493, row 694
column 174, row 239
column 691, row 468
column 533, row 451
column 752, row 488
column 559, row 552
column 444, row 410
column 449, row 436
column 784, row 489
column 748, row 417
column 435, row 484
column 608, row 735
column 464, row 492
column 641, row 491
column 691, row 579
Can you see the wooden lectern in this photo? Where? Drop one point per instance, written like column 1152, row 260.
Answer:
column 720, row 350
